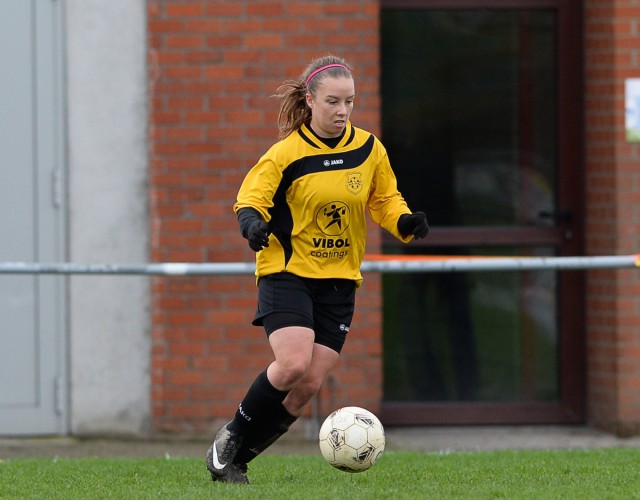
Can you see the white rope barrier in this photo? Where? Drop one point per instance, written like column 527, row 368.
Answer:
column 383, row 264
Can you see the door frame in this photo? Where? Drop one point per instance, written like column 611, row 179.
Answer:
column 571, row 407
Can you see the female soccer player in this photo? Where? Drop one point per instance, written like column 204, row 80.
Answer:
column 302, row 209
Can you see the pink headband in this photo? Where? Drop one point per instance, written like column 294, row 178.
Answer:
column 322, row 69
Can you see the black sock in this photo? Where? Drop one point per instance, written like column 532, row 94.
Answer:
column 263, row 436
column 258, row 406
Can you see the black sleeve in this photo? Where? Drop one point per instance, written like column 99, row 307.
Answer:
column 246, row 216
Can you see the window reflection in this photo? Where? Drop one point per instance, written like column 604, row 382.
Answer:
column 471, row 336
column 469, row 106
column 469, row 113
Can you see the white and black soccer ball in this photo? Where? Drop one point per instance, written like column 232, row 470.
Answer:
column 352, row 439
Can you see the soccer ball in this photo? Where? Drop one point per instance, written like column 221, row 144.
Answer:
column 352, row 439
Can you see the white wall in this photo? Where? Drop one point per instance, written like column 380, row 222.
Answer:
column 108, row 218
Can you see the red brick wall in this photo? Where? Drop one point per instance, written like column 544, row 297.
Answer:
column 612, row 53
column 212, row 67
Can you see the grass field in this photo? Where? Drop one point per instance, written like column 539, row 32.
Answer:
column 596, row 473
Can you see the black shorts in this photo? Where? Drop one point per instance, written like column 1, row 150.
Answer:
column 324, row 305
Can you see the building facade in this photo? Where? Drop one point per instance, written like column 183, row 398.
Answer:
column 505, row 120
column 214, row 67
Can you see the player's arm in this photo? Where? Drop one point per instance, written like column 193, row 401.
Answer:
column 255, row 198
column 387, row 206
column 253, row 228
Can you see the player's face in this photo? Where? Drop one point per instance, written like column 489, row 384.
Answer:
column 331, row 106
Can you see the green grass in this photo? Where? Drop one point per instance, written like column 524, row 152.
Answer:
column 598, row 473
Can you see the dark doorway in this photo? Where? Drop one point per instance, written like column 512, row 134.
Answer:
column 480, row 121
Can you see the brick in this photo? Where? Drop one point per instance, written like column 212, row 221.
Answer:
column 282, row 25
column 182, row 73
column 185, row 134
column 245, row 117
column 187, row 378
column 202, row 117
column 225, row 9
column 163, row 26
column 203, row 148
column 203, row 26
column 220, row 42
column 162, row 392
column 192, row 410
column 264, row 10
column 322, row 25
column 303, row 40
column 182, row 41
column 263, row 41
column 224, row 72
column 342, row 9
column 242, row 27
column 300, row 10
column 184, row 10
column 184, row 102
column 207, row 394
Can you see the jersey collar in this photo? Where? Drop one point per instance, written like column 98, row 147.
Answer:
column 311, row 139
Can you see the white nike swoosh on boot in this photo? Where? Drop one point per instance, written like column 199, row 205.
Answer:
column 216, row 462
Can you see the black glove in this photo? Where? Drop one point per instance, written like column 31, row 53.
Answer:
column 253, row 228
column 415, row 223
column 258, row 235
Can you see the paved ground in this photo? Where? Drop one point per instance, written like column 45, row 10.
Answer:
column 428, row 439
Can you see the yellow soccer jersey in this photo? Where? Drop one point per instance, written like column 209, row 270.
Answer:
column 314, row 199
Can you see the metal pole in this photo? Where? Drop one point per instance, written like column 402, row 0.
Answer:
column 386, row 264
column 499, row 264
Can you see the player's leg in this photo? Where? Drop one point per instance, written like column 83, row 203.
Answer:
column 293, row 348
column 333, row 306
column 285, row 310
column 322, row 361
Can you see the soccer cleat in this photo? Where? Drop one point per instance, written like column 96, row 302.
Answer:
column 237, row 473
column 221, row 454
column 234, row 473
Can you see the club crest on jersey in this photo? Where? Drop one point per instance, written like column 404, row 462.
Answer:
column 333, row 219
column 354, row 182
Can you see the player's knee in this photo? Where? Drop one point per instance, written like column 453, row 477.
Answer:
column 309, row 387
column 300, row 395
column 293, row 372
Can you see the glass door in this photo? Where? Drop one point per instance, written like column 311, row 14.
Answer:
column 477, row 119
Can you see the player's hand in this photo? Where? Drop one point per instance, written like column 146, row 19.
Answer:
column 415, row 223
column 258, row 235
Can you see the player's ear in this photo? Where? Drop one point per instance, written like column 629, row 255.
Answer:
column 309, row 99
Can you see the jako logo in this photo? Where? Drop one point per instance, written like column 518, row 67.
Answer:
column 328, row 163
column 244, row 415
